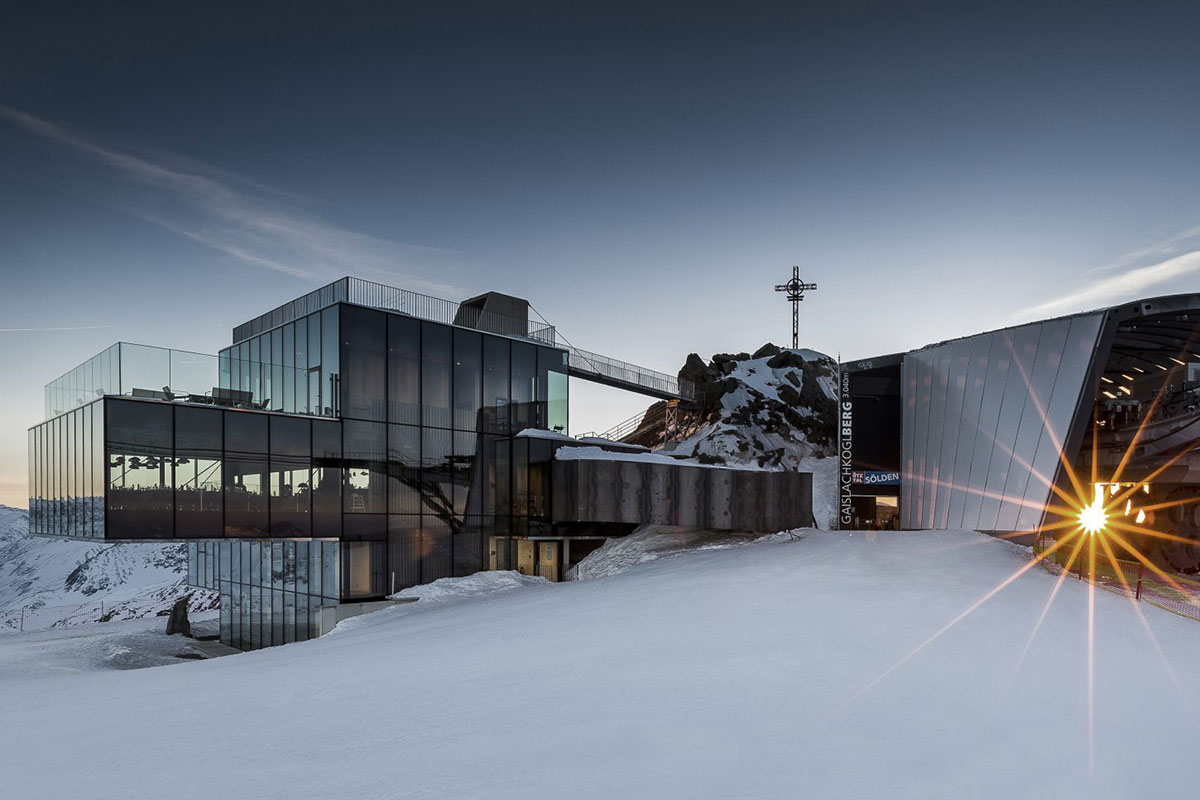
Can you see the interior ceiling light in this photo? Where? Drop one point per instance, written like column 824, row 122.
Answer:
column 1127, row 390
column 1177, row 361
column 1109, row 395
column 1106, row 380
column 1139, row 369
column 1127, row 377
column 1160, row 366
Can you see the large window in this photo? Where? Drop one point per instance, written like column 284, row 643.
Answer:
column 365, row 457
column 524, row 387
column 327, row 478
column 435, row 375
column 468, row 378
column 199, row 501
column 291, row 477
column 404, row 465
column 245, row 474
column 364, row 365
column 496, row 391
column 552, row 371
column 404, row 370
column 140, row 480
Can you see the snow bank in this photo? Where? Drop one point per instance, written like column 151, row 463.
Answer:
column 651, row 542
column 481, row 583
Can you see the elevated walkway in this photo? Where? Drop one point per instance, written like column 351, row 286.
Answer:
column 623, row 375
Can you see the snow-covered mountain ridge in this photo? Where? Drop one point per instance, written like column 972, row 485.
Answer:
column 131, row 580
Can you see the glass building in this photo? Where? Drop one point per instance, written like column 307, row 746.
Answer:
column 348, row 444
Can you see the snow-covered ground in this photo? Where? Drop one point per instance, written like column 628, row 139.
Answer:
column 751, row 671
column 70, row 582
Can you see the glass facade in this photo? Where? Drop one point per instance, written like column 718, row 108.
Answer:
column 294, row 369
column 985, row 419
column 271, row 591
column 66, row 474
column 388, row 435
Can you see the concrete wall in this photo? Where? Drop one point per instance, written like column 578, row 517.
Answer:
column 590, row 490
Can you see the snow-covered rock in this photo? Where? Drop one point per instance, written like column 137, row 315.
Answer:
column 773, row 409
column 68, row 582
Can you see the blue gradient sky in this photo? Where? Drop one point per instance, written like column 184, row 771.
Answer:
column 643, row 176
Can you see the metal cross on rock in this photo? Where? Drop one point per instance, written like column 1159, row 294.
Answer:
column 795, row 289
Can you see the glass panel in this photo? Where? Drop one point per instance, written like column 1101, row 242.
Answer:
column 246, row 478
column 524, row 387
column 140, row 490
column 462, row 469
column 468, row 378
column 365, row 446
column 404, row 552
column 364, row 366
column 278, row 398
column 314, row 364
column 435, row 375
column 300, row 365
column 289, row 356
column 256, row 359
column 245, row 432
column 198, row 472
column 330, row 570
column 330, row 335
column 436, row 545
column 404, row 469
column 267, row 377
column 291, row 479
column 404, row 370
column 557, row 405
column 327, row 478
column 495, row 384
column 437, row 490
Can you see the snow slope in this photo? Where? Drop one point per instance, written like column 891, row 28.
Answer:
column 716, row 674
column 70, row 579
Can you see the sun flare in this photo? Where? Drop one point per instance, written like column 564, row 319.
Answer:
column 1094, row 517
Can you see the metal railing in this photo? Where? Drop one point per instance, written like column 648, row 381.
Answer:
column 389, row 298
column 624, row 372
column 1180, row 594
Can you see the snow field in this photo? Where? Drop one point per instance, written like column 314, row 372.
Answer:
column 718, row 673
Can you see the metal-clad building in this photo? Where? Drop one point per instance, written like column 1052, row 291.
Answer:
column 989, row 424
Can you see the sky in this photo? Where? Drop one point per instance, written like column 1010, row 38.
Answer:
column 643, row 173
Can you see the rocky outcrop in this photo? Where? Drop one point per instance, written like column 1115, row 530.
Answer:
column 771, row 408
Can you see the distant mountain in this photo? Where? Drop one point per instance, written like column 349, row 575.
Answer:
column 68, row 582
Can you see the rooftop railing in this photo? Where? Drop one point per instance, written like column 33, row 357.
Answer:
column 389, row 298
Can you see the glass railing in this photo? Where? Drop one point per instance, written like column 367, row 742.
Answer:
column 159, row 373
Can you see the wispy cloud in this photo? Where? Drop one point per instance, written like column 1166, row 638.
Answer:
column 64, row 328
column 1159, row 250
column 249, row 221
column 1118, row 288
